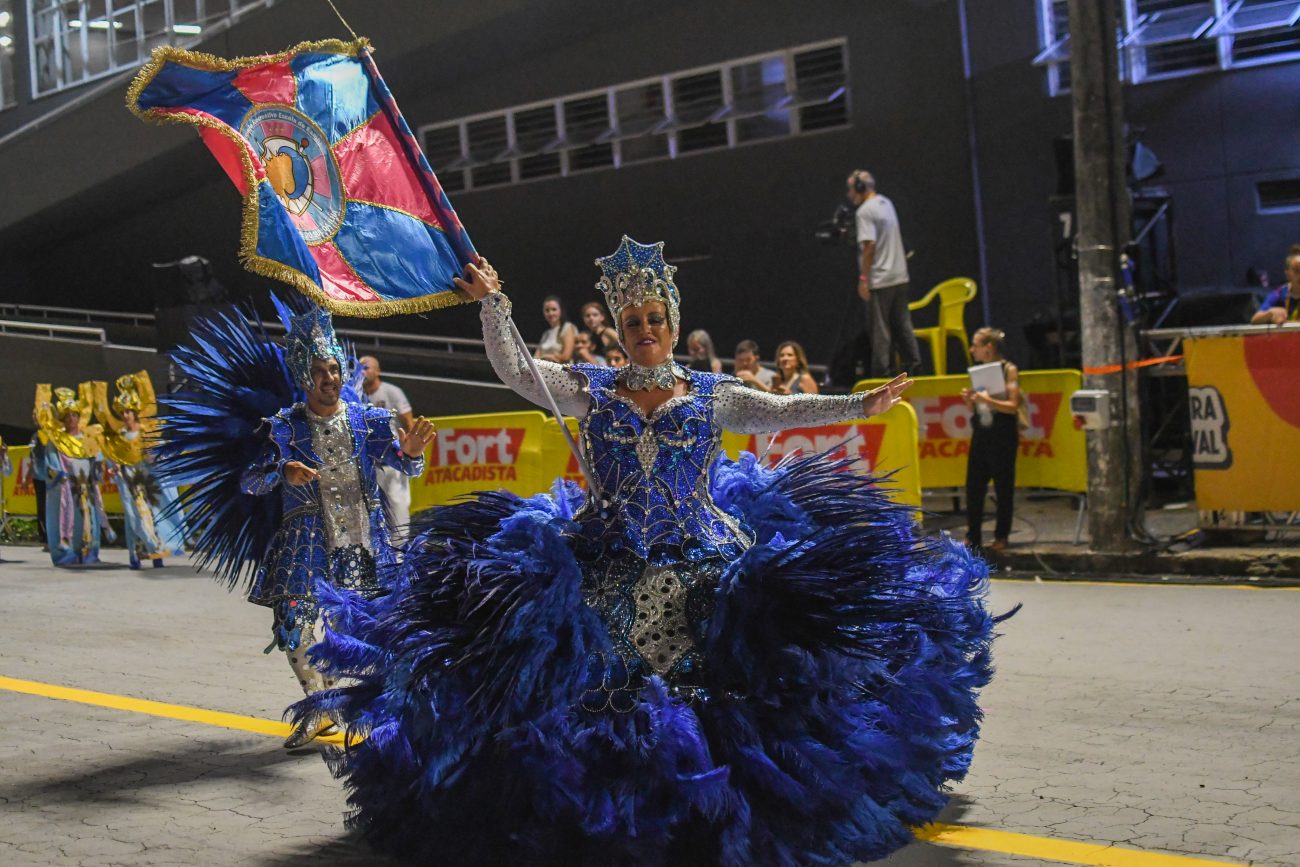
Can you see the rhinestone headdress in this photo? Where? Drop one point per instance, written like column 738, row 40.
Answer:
column 128, row 395
column 65, row 402
column 311, row 335
column 636, row 273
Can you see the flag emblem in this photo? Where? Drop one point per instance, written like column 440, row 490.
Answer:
column 300, row 167
column 339, row 201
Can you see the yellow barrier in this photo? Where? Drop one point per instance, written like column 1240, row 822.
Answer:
column 1052, row 451
column 524, row 452
column 20, row 492
column 1244, row 396
column 494, row 451
column 885, row 443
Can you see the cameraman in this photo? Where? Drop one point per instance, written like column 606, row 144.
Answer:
column 883, row 279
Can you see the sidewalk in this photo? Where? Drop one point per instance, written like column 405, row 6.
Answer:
column 1042, row 546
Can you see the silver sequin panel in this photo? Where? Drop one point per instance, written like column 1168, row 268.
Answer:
column 343, row 504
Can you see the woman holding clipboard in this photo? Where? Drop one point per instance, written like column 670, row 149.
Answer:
column 994, row 400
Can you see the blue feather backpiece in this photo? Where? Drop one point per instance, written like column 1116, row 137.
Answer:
column 844, row 660
column 234, row 377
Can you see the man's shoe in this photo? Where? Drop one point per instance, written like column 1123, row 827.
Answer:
column 307, row 731
column 998, row 545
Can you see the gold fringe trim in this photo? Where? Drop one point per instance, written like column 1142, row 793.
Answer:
column 248, row 256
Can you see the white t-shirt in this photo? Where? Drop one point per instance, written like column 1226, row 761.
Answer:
column 389, row 396
column 765, row 376
column 877, row 221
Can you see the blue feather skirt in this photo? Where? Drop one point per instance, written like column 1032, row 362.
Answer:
column 844, row 656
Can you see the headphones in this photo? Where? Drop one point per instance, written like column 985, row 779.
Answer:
column 860, row 184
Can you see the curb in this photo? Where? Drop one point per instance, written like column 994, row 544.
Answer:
column 1263, row 567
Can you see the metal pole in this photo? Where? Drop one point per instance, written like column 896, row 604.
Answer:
column 1102, row 207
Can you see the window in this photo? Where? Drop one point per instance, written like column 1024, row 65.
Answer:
column 1170, row 38
column 1282, row 194
column 7, row 92
column 443, row 148
column 588, row 133
column 821, row 88
column 739, row 102
column 697, row 105
column 640, row 119
column 75, row 41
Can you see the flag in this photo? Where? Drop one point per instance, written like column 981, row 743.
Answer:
column 339, row 201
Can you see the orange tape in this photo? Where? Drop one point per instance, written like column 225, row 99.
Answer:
column 1132, row 365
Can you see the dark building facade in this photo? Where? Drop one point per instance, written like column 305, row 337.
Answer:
column 93, row 196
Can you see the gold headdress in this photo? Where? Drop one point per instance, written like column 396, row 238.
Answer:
column 53, row 406
column 134, row 393
column 128, row 395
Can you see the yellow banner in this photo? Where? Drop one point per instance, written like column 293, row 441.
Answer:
column 1052, row 451
column 1244, row 399
column 524, row 452
column 557, row 457
column 490, row 452
column 885, row 443
column 20, row 492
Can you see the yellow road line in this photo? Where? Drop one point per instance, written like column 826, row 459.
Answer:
column 1047, row 849
column 235, row 721
column 955, row 836
column 1071, row 582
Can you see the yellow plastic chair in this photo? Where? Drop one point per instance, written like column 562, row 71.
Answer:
column 953, row 296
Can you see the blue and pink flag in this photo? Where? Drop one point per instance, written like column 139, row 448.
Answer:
column 339, row 200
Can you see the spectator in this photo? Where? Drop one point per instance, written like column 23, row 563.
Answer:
column 1283, row 303
column 395, row 484
column 558, row 339
column 35, row 457
column 792, row 370
column 593, row 317
column 749, row 371
column 615, row 356
column 883, row 281
column 704, row 358
column 994, row 443
column 583, row 353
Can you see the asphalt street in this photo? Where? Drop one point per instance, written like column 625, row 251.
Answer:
column 1158, row 720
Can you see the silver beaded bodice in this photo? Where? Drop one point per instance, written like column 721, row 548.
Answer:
column 653, row 544
column 343, row 503
column 653, row 475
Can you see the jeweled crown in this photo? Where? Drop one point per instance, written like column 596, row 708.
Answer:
column 128, row 395
column 311, row 335
column 635, row 274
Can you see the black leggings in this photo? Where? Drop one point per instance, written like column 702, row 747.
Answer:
column 992, row 456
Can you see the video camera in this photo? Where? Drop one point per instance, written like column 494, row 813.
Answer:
column 838, row 230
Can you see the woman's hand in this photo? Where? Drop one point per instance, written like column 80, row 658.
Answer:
column 886, row 397
column 480, row 280
column 417, row 439
column 298, row 473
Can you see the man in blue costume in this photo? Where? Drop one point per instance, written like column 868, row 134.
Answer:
column 322, row 456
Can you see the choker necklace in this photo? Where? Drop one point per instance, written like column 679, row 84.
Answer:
column 639, row 378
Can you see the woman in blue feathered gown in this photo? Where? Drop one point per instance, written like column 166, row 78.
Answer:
column 701, row 662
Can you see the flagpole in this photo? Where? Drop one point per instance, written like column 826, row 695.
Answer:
column 523, row 349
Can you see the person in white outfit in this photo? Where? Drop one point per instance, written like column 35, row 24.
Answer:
column 395, row 485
